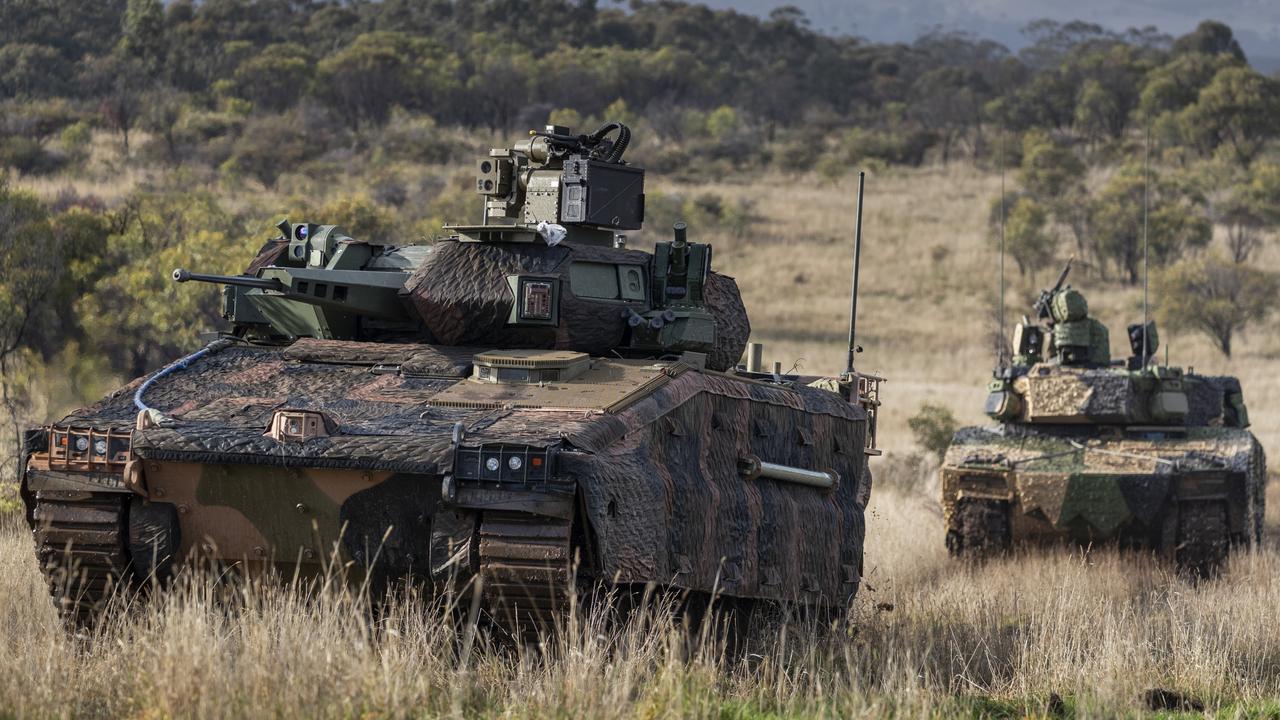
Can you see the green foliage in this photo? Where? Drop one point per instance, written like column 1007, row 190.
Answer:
column 10, row 502
column 1178, row 221
column 1249, row 209
column 933, row 427
column 76, row 139
column 1236, row 113
column 362, row 218
column 723, row 122
column 26, row 155
column 703, row 213
column 1215, row 297
column 143, row 36
column 276, row 78
column 134, row 314
column 1028, row 239
column 30, row 70
column 1210, row 38
column 269, row 147
column 892, row 147
column 1049, row 169
column 380, row 70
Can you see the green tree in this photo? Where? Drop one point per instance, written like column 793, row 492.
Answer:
column 31, row 70
column 276, row 78
column 948, row 101
column 498, row 83
column 269, row 147
column 1237, row 112
column 1216, row 297
column 141, row 318
column 1249, row 210
column 1178, row 221
column 30, row 268
column 1053, row 175
column 383, row 69
column 1210, row 38
column 361, row 217
column 1027, row 236
column 933, row 427
column 722, row 123
column 144, row 35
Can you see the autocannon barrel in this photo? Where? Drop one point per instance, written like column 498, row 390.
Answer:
column 180, row 275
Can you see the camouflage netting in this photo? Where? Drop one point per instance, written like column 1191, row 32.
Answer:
column 462, row 294
column 659, row 479
column 667, row 503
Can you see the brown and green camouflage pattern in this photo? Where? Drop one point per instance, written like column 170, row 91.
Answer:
column 1087, row 487
column 653, row 454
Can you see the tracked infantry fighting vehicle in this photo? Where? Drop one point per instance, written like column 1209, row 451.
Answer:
column 1088, row 449
column 528, row 402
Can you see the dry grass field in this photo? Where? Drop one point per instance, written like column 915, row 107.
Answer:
column 1045, row 634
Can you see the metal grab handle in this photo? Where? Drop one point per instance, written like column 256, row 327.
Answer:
column 752, row 467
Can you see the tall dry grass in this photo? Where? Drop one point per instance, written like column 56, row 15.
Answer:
column 926, row 637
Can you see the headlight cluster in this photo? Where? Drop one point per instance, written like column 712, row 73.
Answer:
column 88, row 448
column 503, row 463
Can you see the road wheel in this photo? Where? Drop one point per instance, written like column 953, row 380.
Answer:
column 1203, row 538
column 981, row 529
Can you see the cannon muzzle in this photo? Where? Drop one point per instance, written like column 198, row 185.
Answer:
column 181, row 275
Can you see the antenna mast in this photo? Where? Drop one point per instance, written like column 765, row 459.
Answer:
column 1146, row 204
column 1000, row 339
column 857, row 260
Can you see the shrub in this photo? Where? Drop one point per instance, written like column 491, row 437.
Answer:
column 933, row 428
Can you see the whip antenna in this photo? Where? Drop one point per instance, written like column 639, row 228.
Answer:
column 857, row 260
column 1146, row 205
column 1000, row 339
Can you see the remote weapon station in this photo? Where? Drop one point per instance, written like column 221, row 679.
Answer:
column 527, row 403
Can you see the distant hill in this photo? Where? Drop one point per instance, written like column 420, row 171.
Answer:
column 1257, row 24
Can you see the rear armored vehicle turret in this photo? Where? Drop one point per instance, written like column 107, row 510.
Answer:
column 1089, row 449
column 527, row 402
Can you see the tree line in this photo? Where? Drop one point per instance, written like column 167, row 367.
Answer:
column 1088, row 123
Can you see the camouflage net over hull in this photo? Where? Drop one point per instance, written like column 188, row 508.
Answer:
column 662, row 496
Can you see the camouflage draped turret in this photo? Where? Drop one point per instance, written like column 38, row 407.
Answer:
column 1088, row 449
column 527, row 401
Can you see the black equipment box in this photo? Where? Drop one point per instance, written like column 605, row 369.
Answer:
column 604, row 194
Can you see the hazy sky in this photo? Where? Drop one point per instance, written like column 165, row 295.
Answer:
column 1256, row 22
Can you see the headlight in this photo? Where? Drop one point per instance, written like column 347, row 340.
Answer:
column 500, row 463
column 100, row 447
column 82, row 444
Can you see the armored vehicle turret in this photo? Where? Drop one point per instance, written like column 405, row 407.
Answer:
column 522, row 407
column 1090, row 449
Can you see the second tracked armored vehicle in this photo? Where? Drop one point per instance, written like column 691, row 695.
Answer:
column 1087, row 449
column 528, row 403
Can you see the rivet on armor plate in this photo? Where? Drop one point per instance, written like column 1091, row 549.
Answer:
column 158, row 492
column 259, row 551
column 309, row 554
column 301, row 508
column 183, row 509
